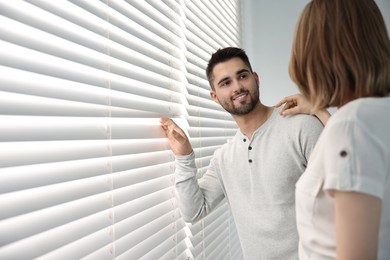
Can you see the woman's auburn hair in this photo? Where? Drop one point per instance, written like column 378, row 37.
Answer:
column 341, row 52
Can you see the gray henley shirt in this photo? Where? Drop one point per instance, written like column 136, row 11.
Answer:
column 257, row 177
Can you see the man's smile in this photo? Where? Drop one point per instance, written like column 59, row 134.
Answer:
column 240, row 97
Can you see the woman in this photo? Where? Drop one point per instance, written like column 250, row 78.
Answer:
column 341, row 58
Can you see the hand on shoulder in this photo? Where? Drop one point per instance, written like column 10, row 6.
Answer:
column 295, row 104
column 298, row 104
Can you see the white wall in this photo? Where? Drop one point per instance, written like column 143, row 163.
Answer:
column 268, row 29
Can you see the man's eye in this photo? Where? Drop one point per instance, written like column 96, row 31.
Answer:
column 225, row 84
column 243, row 76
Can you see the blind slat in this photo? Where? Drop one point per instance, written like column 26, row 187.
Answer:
column 57, row 237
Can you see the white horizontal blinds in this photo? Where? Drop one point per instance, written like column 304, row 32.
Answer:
column 207, row 27
column 85, row 170
column 84, row 47
column 54, row 185
column 155, row 230
column 215, row 237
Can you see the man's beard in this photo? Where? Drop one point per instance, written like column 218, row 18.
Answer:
column 243, row 109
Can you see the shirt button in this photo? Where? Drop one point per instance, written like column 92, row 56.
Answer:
column 250, row 147
column 244, row 140
column 343, row 153
column 250, row 160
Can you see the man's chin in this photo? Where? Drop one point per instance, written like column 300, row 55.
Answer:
column 242, row 108
column 242, row 111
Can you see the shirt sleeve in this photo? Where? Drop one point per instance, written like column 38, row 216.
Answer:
column 311, row 131
column 196, row 197
column 354, row 160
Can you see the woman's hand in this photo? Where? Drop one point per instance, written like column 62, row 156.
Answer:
column 298, row 104
column 295, row 104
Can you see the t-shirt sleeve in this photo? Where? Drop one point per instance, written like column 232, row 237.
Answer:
column 354, row 160
column 311, row 131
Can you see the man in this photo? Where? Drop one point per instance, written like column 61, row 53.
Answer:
column 256, row 171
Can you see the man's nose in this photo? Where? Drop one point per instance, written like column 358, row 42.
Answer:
column 237, row 87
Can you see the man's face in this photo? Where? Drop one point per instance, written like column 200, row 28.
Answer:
column 236, row 87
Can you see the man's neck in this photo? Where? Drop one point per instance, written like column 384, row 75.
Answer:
column 250, row 122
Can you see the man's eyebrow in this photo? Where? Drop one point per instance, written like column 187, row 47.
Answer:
column 242, row 70
column 237, row 73
column 222, row 80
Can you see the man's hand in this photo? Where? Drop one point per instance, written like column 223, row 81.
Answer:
column 178, row 140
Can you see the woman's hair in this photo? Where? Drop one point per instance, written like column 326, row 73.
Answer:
column 341, row 52
column 222, row 55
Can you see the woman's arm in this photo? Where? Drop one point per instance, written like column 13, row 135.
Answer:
column 357, row 225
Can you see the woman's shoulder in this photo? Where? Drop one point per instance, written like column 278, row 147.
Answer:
column 366, row 111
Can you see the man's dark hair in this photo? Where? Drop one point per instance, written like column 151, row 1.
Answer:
column 222, row 55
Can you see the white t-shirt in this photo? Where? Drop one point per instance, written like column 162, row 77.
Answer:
column 352, row 154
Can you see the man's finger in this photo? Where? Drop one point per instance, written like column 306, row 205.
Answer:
column 166, row 121
column 172, row 129
column 178, row 136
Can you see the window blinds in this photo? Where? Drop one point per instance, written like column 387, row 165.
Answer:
column 85, row 170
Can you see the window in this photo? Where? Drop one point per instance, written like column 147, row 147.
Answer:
column 85, row 170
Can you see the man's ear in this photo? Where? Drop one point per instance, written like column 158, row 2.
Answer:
column 256, row 78
column 214, row 96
